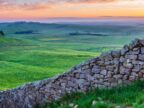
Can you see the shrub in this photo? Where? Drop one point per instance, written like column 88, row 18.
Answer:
column 2, row 34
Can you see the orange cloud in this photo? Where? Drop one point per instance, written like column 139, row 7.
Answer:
column 90, row 1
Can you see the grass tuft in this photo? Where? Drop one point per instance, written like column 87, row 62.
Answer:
column 131, row 96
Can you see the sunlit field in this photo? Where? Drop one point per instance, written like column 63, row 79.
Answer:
column 51, row 49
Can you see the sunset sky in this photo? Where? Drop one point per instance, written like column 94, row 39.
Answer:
column 42, row 9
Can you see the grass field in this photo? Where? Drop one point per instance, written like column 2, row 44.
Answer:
column 51, row 50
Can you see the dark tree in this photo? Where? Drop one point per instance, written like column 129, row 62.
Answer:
column 2, row 34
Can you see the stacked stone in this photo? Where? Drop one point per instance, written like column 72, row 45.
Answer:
column 111, row 69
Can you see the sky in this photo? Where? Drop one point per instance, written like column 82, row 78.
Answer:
column 43, row 9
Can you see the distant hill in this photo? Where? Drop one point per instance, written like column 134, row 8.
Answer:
column 87, row 33
column 35, row 28
column 25, row 32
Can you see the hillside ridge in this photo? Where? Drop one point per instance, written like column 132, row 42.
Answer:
column 111, row 69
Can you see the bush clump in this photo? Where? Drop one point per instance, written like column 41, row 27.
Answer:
column 2, row 34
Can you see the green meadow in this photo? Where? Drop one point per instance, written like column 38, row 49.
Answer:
column 35, row 51
column 50, row 50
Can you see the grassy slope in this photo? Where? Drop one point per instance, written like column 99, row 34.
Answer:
column 21, row 64
column 43, row 59
column 52, row 51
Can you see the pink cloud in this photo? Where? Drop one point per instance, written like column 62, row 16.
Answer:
column 41, row 4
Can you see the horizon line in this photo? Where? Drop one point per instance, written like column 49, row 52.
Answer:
column 99, row 18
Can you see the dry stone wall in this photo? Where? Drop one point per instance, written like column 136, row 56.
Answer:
column 108, row 70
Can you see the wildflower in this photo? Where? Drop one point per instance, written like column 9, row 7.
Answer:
column 71, row 105
column 76, row 106
column 94, row 102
